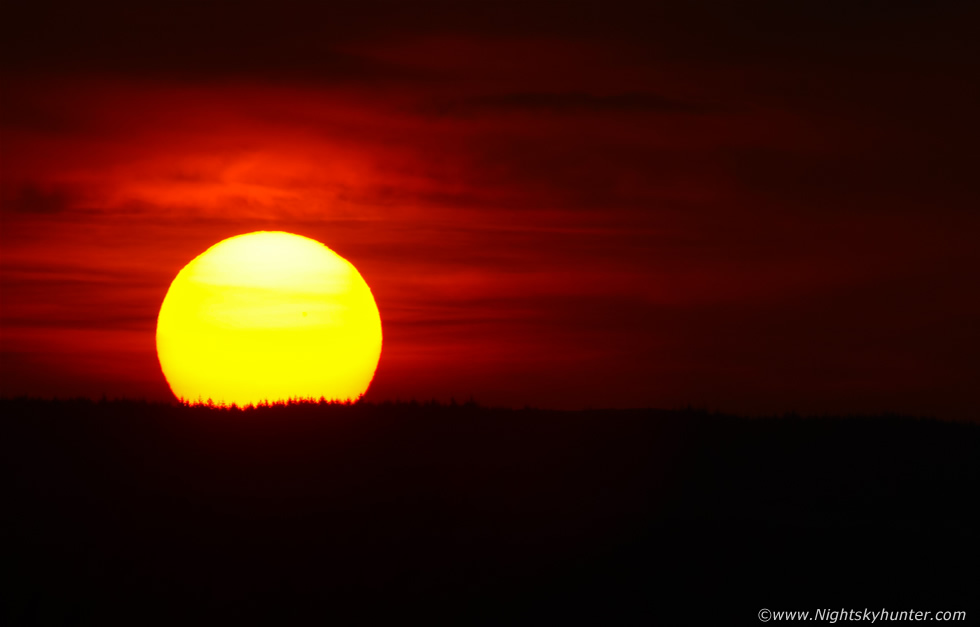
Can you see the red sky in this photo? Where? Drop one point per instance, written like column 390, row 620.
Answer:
column 760, row 209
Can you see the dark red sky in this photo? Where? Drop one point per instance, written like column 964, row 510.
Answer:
column 759, row 208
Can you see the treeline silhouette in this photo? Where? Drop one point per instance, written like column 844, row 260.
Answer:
column 303, row 511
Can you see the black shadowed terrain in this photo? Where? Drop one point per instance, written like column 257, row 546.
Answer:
column 311, row 513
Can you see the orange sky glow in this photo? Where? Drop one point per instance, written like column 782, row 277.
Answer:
column 549, row 217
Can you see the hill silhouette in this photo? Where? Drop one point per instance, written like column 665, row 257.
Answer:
column 123, row 511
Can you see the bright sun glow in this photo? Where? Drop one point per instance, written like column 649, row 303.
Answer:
column 268, row 316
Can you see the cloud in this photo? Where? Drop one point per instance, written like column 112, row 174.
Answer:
column 182, row 41
column 36, row 198
column 642, row 226
column 565, row 104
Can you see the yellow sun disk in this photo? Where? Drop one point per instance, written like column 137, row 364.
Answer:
column 268, row 316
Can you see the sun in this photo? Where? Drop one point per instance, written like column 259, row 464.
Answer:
column 268, row 316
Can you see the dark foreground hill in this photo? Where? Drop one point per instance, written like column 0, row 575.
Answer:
column 134, row 513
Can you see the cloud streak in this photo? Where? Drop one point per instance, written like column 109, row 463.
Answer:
column 569, row 214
